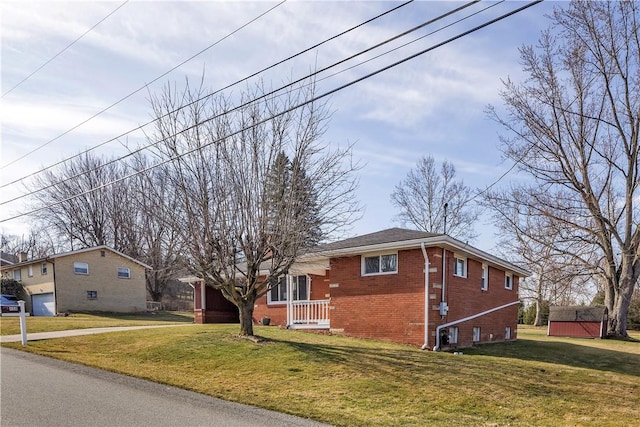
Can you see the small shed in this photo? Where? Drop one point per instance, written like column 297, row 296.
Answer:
column 578, row 322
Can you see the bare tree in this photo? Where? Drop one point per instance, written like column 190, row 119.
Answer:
column 238, row 237
column 556, row 278
column 433, row 200
column 76, row 208
column 87, row 202
column 574, row 126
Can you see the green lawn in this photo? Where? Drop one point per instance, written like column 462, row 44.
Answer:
column 11, row 325
column 536, row 381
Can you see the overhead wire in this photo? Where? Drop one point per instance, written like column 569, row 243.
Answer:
column 63, row 50
column 141, row 87
column 213, row 93
column 314, row 99
column 263, row 96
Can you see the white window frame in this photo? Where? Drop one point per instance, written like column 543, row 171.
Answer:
column 379, row 256
column 80, row 268
column 17, row 274
column 453, row 335
column 484, row 280
column 30, row 271
column 126, row 271
column 459, row 262
column 508, row 281
column 43, row 269
column 282, row 293
column 476, row 334
column 507, row 333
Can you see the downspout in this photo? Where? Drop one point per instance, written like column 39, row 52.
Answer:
column 55, row 287
column 437, row 346
column 444, row 277
column 426, row 297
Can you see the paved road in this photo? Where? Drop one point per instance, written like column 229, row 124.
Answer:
column 40, row 391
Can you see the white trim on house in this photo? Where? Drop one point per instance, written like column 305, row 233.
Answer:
column 446, row 242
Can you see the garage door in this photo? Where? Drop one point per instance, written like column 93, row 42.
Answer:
column 43, row 305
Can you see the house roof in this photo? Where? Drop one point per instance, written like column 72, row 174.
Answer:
column 7, row 259
column 79, row 251
column 400, row 238
column 390, row 235
column 577, row 314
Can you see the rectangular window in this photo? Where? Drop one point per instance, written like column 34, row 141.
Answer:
column 507, row 333
column 453, row 335
column 476, row 334
column 30, row 271
column 17, row 274
column 460, row 267
column 380, row 264
column 80, row 268
column 43, row 269
column 124, row 273
column 508, row 281
column 92, row 294
column 484, row 281
column 102, row 254
column 278, row 293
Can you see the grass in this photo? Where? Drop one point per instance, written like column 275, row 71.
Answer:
column 11, row 325
column 537, row 381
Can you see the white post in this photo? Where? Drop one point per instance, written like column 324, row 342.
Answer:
column 23, row 323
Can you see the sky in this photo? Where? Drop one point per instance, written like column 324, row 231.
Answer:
column 431, row 105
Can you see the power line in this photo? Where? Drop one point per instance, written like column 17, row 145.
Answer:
column 328, row 93
column 142, row 87
column 63, row 50
column 263, row 96
column 200, row 99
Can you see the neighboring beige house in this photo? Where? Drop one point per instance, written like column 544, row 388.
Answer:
column 91, row 279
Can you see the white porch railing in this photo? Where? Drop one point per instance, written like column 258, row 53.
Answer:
column 308, row 314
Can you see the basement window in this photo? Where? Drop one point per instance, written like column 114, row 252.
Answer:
column 380, row 264
column 92, row 294
column 453, row 335
column 476, row 334
column 507, row 333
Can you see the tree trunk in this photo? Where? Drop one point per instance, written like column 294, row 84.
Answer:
column 618, row 313
column 538, row 321
column 246, row 318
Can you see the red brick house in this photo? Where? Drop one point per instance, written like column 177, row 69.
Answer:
column 376, row 286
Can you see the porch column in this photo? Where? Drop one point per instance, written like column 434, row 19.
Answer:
column 289, row 300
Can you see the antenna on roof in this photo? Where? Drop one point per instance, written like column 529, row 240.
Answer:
column 445, row 217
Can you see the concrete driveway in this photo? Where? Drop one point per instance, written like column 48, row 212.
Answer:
column 40, row 391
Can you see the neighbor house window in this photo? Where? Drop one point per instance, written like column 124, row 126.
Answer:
column 380, row 264
column 124, row 273
column 460, row 267
column 508, row 281
column 484, row 281
column 43, row 269
column 92, row 294
column 476, row 334
column 17, row 274
column 102, row 254
column 278, row 293
column 80, row 268
column 507, row 333
column 453, row 335
column 30, row 271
